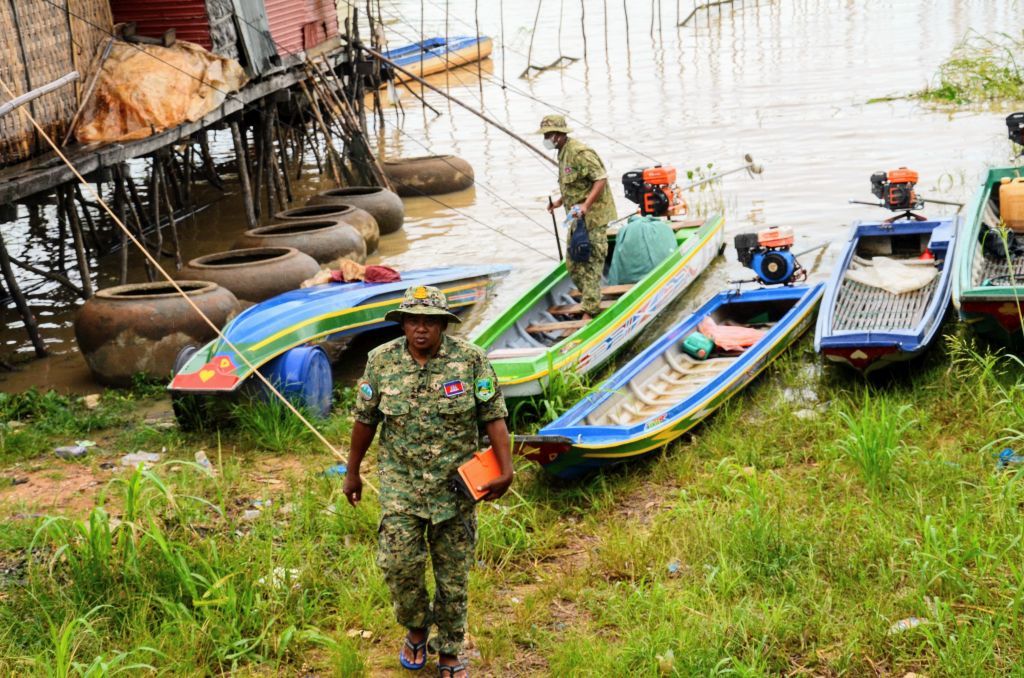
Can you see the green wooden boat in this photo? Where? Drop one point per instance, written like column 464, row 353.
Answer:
column 538, row 334
column 988, row 287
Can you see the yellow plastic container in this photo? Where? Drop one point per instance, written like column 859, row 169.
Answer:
column 1011, row 203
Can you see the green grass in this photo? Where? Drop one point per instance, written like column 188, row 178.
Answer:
column 785, row 536
column 982, row 68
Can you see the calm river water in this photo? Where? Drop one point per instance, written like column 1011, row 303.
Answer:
column 787, row 81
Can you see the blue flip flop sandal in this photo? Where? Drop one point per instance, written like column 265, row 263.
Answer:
column 415, row 648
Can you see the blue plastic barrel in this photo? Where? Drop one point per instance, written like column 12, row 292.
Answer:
column 303, row 375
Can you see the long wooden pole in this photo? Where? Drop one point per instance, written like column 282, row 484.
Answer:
column 243, row 175
column 541, row 153
column 19, row 300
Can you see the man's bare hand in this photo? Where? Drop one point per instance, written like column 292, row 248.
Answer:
column 497, row 488
column 353, row 488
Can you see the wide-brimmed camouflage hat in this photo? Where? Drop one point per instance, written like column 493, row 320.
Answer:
column 553, row 123
column 422, row 300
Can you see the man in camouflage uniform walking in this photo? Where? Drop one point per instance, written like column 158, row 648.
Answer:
column 429, row 394
column 583, row 183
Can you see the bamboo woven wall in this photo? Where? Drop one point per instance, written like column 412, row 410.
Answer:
column 40, row 41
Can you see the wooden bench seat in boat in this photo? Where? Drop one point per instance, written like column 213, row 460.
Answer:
column 609, row 291
column 577, row 309
column 544, row 328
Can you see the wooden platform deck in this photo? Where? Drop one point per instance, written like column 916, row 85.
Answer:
column 862, row 308
column 680, row 377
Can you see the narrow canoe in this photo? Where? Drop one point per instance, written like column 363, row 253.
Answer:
column 868, row 327
column 988, row 290
column 436, row 55
column 662, row 392
column 271, row 328
column 529, row 339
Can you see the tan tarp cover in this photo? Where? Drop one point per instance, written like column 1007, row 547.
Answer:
column 146, row 89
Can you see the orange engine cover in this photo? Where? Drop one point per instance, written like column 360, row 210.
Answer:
column 902, row 176
column 660, row 176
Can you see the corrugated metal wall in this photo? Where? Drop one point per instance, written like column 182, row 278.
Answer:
column 297, row 25
column 187, row 17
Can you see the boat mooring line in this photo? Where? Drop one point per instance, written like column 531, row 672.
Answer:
column 156, row 264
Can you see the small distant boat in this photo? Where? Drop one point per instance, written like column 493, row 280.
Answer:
column 542, row 331
column 436, row 55
column 286, row 322
column 867, row 327
column 662, row 393
column 988, row 282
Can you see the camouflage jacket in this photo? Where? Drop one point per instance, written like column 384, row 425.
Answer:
column 578, row 169
column 430, row 418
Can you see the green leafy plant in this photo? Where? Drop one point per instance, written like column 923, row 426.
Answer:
column 981, row 68
column 875, row 437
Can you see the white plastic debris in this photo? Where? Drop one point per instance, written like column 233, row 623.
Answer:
column 906, row 624
column 280, row 577
column 147, row 459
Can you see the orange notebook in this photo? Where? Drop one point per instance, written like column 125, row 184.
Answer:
column 480, row 470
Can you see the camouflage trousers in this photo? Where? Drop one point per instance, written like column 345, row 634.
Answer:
column 587, row 276
column 402, row 556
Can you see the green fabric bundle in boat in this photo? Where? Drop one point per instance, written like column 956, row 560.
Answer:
column 641, row 244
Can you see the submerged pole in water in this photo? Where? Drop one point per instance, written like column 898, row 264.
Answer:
column 19, row 300
column 243, row 175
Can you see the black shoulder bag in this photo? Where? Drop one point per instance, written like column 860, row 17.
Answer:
column 579, row 241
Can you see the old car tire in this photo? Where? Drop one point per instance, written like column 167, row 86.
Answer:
column 128, row 329
column 429, row 175
column 386, row 207
column 254, row 274
column 359, row 219
column 324, row 239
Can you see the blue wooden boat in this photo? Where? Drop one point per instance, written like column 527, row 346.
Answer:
column 435, row 55
column 868, row 327
column 662, row 392
column 274, row 335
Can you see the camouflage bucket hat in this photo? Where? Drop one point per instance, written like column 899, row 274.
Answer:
column 553, row 123
column 422, row 300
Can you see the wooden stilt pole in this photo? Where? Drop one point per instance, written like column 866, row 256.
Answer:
column 19, row 300
column 76, row 233
column 173, row 224
column 209, row 168
column 243, row 175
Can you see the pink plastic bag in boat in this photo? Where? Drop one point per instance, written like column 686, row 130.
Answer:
column 730, row 337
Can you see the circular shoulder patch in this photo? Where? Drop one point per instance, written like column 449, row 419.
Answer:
column 365, row 390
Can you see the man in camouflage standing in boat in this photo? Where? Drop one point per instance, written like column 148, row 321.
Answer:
column 583, row 183
column 430, row 394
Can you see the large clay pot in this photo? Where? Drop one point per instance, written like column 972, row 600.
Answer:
column 386, row 207
column 362, row 220
column 429, row 175
column 128, row 329
column 323, row 239
column 254, row 274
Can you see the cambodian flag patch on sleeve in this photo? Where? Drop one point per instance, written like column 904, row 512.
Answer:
column 453, row 388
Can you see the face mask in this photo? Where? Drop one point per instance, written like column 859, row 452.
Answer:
column 549, row 143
